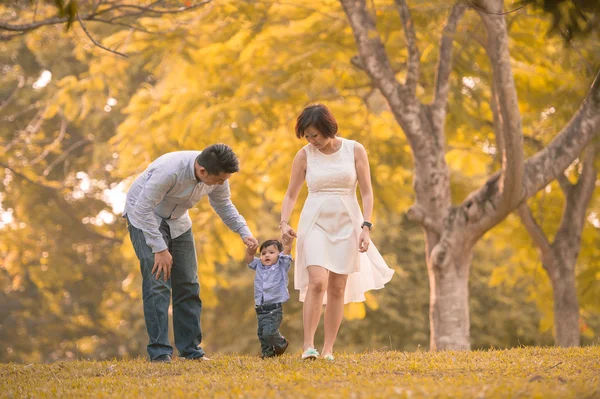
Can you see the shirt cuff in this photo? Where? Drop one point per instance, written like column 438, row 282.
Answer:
column 158, row 247
column 245, row 232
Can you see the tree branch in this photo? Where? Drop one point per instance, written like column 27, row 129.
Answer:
column 32, row 26
column 34, row 180
column 61, row 135
column 564, row 183
column 12, row 93
column 412, row 74
column 417, row 214
column 5, row 38
column 444, row 66
column 476, row 7
column 581, row 193
column 497, row 124
column 95, row 42
column 537, row 235
column 93, row 16
column 64, row 155
column 373, row 57
column 544, row 166
column 547, row 164
column 508, row 106
column 587, row 182
column 374, row 60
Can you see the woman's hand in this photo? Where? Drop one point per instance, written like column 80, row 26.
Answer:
column 287, row 233
column 364, row 240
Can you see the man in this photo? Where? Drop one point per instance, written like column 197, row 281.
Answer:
column 160, row 229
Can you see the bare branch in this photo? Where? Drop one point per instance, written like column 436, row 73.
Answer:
column 151, row 10
column 476, row 7
column 564, row 183
column 543, row 167
column 417, row 214
column 64, row 155
column 547, row 164
column 94, row 41
column 5, row 38
column 33, row 25
column 412, row 74
column 61, row 135
column 134, row 27
column 537, row 235
column 508, row 106
column 444, row 66
column 372, row 53
column 587, row 181
column 12, row 93
column 497, row 124
column 92, row 16
column 576, row 202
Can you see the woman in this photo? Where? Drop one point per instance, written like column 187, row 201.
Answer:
column 336, row 262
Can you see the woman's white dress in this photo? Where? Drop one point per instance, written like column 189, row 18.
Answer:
column 329, row 226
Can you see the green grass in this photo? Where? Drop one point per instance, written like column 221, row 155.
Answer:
column 515, row 373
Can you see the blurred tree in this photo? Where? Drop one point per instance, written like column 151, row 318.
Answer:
column 452, row 230
column 66, row 287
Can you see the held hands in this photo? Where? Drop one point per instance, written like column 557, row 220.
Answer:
column 163, row 262
column 363, row 240
column 250, row 251
column 251, row 243
column 287, row 233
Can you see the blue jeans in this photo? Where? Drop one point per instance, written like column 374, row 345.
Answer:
column 156, row 295
column 269, row 319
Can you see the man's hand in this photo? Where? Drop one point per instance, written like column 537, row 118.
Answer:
column 163, row 262
column 251, row 243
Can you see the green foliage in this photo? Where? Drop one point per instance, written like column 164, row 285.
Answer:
column 570, row 18
column 526, row 372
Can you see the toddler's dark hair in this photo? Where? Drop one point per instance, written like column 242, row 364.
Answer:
column 268, row 243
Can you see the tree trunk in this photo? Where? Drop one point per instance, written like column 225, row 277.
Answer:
column 560, row 257
column 448, row 266
column 566, row 306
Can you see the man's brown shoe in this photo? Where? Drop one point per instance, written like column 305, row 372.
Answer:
column 281, row 351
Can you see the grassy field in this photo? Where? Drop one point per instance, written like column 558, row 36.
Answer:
column 515, row 373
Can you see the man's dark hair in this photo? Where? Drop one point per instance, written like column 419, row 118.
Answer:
column 268, row 243
column 319, row 117
column 218, row 158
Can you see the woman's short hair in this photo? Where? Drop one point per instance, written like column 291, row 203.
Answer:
column 319, row 117
column 217, row 159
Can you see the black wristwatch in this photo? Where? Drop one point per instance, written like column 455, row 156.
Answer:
column 368, row 224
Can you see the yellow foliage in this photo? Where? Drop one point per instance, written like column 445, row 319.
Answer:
column 354, row 311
